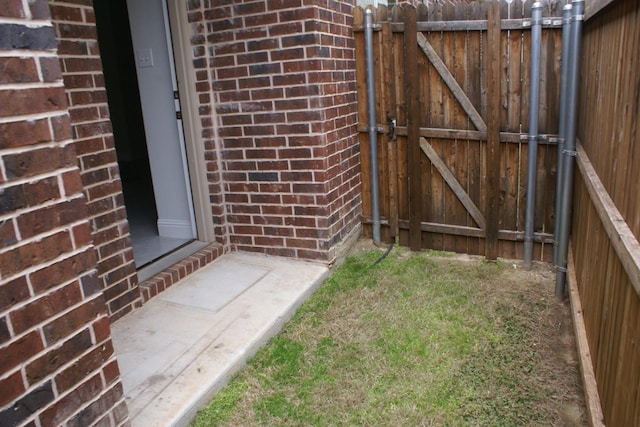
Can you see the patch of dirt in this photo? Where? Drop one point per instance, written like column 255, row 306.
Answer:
column 555, row 340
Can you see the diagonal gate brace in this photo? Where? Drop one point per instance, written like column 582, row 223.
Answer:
column 451, row 82
column 452, row 181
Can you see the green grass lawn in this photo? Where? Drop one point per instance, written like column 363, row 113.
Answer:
column 418, row 339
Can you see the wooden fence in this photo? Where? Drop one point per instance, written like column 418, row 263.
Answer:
column 455, row 78
column 606, row 220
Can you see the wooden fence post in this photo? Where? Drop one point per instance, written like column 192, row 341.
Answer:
column 493, row 131
column 412, row 91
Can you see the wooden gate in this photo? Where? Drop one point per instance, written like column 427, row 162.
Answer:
column 454, row 79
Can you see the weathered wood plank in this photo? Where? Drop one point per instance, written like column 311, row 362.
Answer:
column 422, row 12
column 429, row 184
column 388, row 90
column 510, row 96
column 435, row 187
column 622, row 238
column 523, row 49
column 493, row 131
column 451, row 82
column 433, row 227
column 462, row 230
column 592, row 7
column 589, row 384
column 518, row 236
column 448, row 11
column 361, row 90
column 435, row 11
column 608, row 332
column 592, row 269
column 412, row 91
column 628, row 131
column 473, row 25
column 453, row 183
column 474, row 147
column 548, row 100
column 475, row 12
column 554, row 51
column 397, row 55
column 621, row 345
column 461, row 121
column 474, row 135
column 631, row 388
column 448, row 149
column 380, row 64
column 484, row 89
column 454, row 230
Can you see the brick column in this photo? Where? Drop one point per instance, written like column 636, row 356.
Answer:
column 283, row 94
column 56, row 358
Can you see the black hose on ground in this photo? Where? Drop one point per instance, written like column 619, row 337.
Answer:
column 384, row 255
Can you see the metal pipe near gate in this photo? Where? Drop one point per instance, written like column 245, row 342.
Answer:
column 569, row 152
column 373, row 128
column 566, row 45
column 534, row 97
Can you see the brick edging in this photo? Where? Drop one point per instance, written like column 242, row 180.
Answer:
column 178, row 271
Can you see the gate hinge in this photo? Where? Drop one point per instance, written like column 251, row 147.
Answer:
column 553, row 139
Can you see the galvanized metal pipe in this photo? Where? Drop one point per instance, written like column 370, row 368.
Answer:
column 569, row 152
column 534, row 97
column 566, row 45
column 373, row 128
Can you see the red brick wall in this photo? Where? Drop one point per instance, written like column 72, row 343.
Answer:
column 280, row 77
column 56, row 358
column 74, row 24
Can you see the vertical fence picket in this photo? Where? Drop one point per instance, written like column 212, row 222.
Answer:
column 553, row 48
column 435, row 119
column 461, row 122
column 448, row 146
column 401, row 120
column 388, row 114
column 382, row 101
column 523, row 52
column 361, row 90
column 512, row 102
column 493, row 130
column 474, row 77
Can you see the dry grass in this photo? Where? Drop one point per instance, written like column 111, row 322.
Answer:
column 415, row 340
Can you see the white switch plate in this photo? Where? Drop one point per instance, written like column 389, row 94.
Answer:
column 145, row 58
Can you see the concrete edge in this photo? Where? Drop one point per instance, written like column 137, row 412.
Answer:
column 217, row 383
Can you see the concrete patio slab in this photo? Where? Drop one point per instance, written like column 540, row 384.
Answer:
column 181, row 347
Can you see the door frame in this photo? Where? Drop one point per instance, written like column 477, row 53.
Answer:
column 180, row 37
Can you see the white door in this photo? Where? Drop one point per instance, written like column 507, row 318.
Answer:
column 158, row 96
